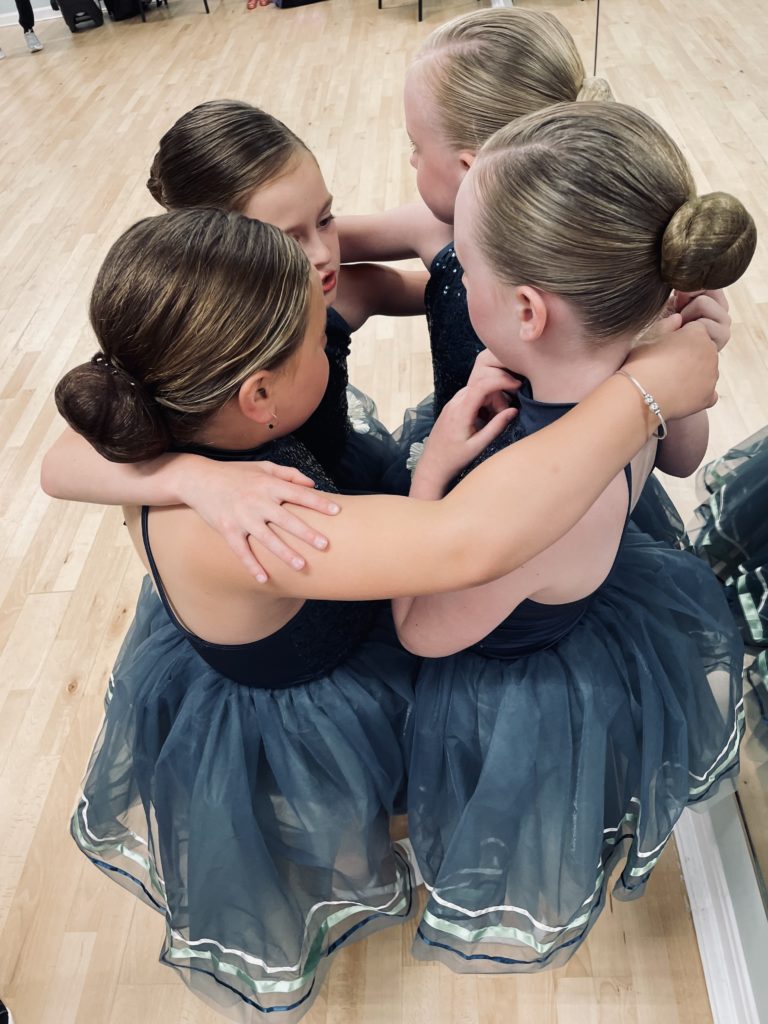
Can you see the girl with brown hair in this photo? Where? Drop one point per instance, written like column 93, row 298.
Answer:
column 233, row 156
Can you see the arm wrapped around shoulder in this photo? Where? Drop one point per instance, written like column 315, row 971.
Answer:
column 112, row 411
column 708, row 243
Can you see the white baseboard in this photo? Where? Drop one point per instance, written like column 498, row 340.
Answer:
column 41, row 14
column 727, row 910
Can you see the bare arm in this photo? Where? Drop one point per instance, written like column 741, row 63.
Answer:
column 397, row 234
column 73, row 470
column 683, row 449
column 388, row 546
column 436, row 625
column 369, row 289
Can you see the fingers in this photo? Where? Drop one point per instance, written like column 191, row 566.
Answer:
column 264, row 535
column 491, row 380
column 288, row 473
column 296, row 495
column 665, row 326
column 238, row 542
column 707, row 311
column 705, row 306
column 683, row 299
column 497, row 402
column 491, row 430
column 297, row 528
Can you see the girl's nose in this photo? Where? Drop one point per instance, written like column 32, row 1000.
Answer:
column 318, row 252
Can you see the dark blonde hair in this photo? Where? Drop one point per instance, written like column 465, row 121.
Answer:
column 595, row 202
column 490, row 67
column 186, row 307
column 219, row 154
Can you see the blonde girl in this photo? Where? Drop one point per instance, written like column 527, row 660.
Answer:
column 571, row 709
column 472, row 76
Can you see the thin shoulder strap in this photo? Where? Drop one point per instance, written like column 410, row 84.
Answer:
column 156, row 575
column 628, row 477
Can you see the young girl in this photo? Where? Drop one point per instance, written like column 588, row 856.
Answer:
column 590, row 702
column 472, row 76
column 252, row 749
column 234, row 156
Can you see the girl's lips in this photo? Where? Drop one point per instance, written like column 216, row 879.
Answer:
column 329, row 282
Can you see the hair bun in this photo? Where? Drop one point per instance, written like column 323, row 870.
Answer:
column 155, row 182
column 708, row 243
column 594, row 90
column 112, row 411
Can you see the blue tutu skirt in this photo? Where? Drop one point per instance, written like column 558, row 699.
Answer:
column 730, row 532
column 255, row 821
column 654, row 513
column 369, row 450
column 532, row 778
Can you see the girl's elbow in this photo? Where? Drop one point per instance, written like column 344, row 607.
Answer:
column 683, row 464
column 50, row 483
column 420, row 643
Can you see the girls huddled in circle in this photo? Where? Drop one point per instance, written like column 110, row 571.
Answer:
column 572, row 684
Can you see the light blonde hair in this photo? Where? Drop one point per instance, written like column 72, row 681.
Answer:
column 491, row 67
column 595, row 202
column 185, row 308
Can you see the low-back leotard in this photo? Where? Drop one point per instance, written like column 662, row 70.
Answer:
column 569, row 739
column 245, row 791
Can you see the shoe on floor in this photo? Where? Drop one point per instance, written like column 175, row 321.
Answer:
column 5, row 1013
column 34, row 46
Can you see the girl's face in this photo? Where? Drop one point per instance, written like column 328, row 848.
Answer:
column 298, row 202
column 439, row 168
column 301, row 383
column 491, row 303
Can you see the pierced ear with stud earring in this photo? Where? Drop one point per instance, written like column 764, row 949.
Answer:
column 271, row 426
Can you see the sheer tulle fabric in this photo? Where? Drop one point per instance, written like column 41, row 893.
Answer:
column 530, row 778
column 730, row 532
column 255, row 820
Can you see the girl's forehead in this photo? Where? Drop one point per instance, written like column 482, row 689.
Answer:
column 298, row 193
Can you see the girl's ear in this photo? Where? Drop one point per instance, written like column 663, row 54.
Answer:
column 532, row 312
column 256, row 398
column 466, row 158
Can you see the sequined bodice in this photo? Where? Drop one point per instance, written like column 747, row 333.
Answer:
column 320, row 636
column 452, row 338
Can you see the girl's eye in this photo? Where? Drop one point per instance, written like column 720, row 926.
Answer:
column 326, row 221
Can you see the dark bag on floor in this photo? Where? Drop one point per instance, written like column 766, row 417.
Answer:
column 294, row 3
column 119, row 10
column 80, row 13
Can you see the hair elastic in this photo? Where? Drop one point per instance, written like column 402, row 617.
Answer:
column 105, row 363
column 651, row 402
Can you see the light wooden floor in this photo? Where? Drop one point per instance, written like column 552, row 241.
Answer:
column 79, row 127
